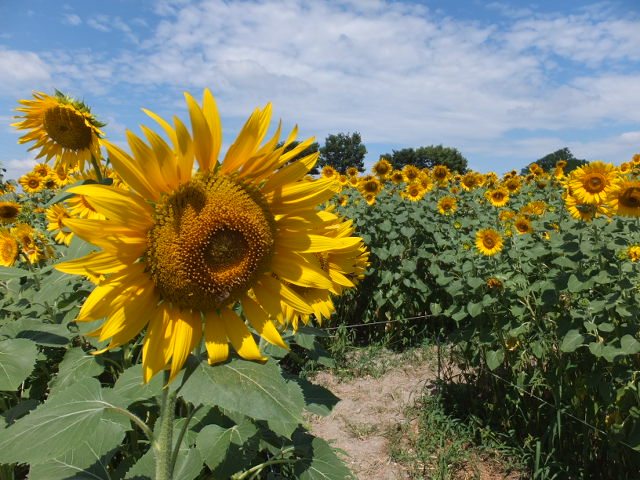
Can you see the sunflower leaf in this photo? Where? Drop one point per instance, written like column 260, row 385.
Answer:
column 17, row 358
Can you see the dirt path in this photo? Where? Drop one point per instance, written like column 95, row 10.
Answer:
column 369, row 407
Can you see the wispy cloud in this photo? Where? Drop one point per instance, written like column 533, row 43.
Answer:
column 21, row 68
column 71, row 19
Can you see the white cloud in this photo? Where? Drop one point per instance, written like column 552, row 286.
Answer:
column 21, row 68
column 100, row 23
column 16, row 167
column 72, row 19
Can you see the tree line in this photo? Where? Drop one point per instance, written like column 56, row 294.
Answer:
column 344, row 150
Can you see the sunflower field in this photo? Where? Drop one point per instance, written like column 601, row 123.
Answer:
column 153, row 296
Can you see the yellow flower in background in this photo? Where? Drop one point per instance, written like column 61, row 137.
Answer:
column 26, row 237
column 425, row 181
column 470, row 181
column 369, row 185
column 80, row 207
column 56, row 215
column 343, row 200
column 382, row 168
column 352, row 172
column 42, row 170
column 410, row 173
column 343, row 179
column 63, row 176
column 447, row 205
column 354, row 181
column 513, row 184
column 31, row 183
column 498, row 197
column 397, row 177
column 414, row 192
column 522, row 225
column 370, row 198
column 537, row 207
column 9, row 212
column 184, row 249
column 50, row 182
column 624, row 198
column 592, row 182
column 579, row 210
column 8, row 248
column 488, row 241
column 633, row 252
column 441, row 174
column 61, row 127
column 329, row 172
column 506, row 215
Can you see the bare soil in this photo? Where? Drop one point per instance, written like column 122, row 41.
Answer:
column 371, row 407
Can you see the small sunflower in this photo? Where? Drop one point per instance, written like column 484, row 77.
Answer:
column 382, row 168
column 470, row 181
column 410, row 173
column 50, row 182
column 624, row 198
column 26, row 237
column 61, row 127
column 498, row 197
column 370, row 198
column 352, row 172
column 537, row 207
column 56, row 215
column 488, row 241
column 31, row 183
column 447, row 205
column 425, row 181
column 329, row 172
column 414, row 192
column 42, row 170
column 344, row 180
column 9, row 212
column 441, row 174
column 506, row 215
column 354, row 181
column 183, row 250
column 633, row 252
column 592, row 182
column 522, row 225
column 8, row 248
column 397, row 177
column 369, row 184
column 513, row 184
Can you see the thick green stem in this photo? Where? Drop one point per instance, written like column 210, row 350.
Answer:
column 164, row 464
column 96, row 168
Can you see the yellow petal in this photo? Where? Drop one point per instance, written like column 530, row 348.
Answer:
column 259, row 320
column 203, row 143
column 210, row 110
column 270, row 288
column 307, row 243
column 96, row 263
column 146, row 159
column 109, row 236
column 290, row 173
column 240, row 336
column 154, row 355
column 132, row 173
column 299, row 270
column 215, row 336
column 187, row 332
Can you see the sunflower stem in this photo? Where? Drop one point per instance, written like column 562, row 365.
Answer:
column 96, row 168
column 164, row 457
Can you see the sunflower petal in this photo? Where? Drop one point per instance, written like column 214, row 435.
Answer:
column 215, row 336
column 240, row 336
column 259, row 319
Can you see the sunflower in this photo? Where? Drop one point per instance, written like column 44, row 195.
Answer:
column 42, row 170
column 410, row 173
column 9, row 212
column 343, row 200
column 63, row 176
column 498, row 197
column 425, row 181
column 624, row 198
column 470, row 181
column 352, row 171
column 441, row 174
column 50, row 182
column 31, row 183
column 182, row 249
column 369, row 184
column 522, row 225
column 592, row 182
column 447, row 205
column 343, row 179
column 26, row 238
column 397, row 177
column 354, row 181
column 56, row 215
column 8, row 248
column 414, row 192
column 80, row 207
column 370, row 198
column 382, row 168
column 506, row 215
column 488, row 241
column 513, row 184
column 579, row 210
column 329, row 172
column 537, row 207
column 62, row 127
column 633, row 252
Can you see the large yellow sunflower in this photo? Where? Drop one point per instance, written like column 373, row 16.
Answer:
column 182, row 250
column 592, row 182
column 624, row 198
column 61, row 127
column 488, row 241
column 470, row 180
column 8, row 248
column 397, row 177
column 9, row 212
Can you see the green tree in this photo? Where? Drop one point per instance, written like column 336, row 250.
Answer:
column 548, row 162
column 428, row 157
column 313, row 148
column 342, row 151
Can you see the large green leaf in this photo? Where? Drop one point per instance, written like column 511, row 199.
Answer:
column 75, row 366
column 17, row 358
column 319, row 462
column 223, row 448
column 89, row 460
column 49, row 334
column 64, row 421
column 571, row 341
column 494, row 358
column 253, row 389
column 130, row 389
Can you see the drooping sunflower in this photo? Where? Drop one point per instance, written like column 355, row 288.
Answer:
column 181, row 249
column 506, row 215
column 9, row 212
column 624, row 198
column 498, row 197
column 57, row 215
column 61, row 127
column 592, row 182
column 447, row 205
column 382, row 168
column 488, row 241
column 8, row 248
column 31, row 183
column 522, row 225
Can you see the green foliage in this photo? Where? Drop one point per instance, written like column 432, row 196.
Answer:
column 428, row 157
column 342, row 151
column 548, row 162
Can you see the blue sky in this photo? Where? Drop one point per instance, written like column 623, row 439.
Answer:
column 503, row 82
